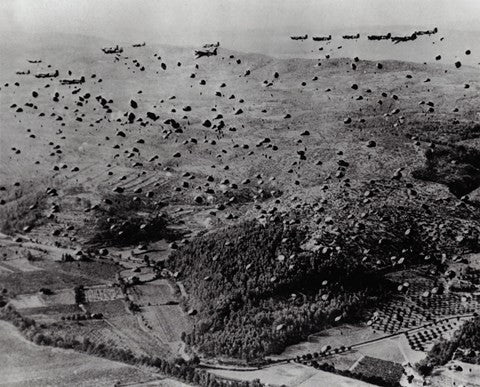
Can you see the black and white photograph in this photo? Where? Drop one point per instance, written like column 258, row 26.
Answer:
column 239, row 193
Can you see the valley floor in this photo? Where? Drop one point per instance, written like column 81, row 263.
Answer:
column 26, row 364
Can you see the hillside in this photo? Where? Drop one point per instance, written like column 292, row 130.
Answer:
column 80, row 144
column 293, row 273
column 235, row 204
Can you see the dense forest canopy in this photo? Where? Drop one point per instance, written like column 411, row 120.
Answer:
column 260, row 285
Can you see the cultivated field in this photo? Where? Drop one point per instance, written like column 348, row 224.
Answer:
column 292, row 375
column 26, row 364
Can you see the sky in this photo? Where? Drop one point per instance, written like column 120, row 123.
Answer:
column 159, row 19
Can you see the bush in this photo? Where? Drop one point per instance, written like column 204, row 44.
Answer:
column 18, row 214
column 461, row 177
column 467, row 337
column 126, row 222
